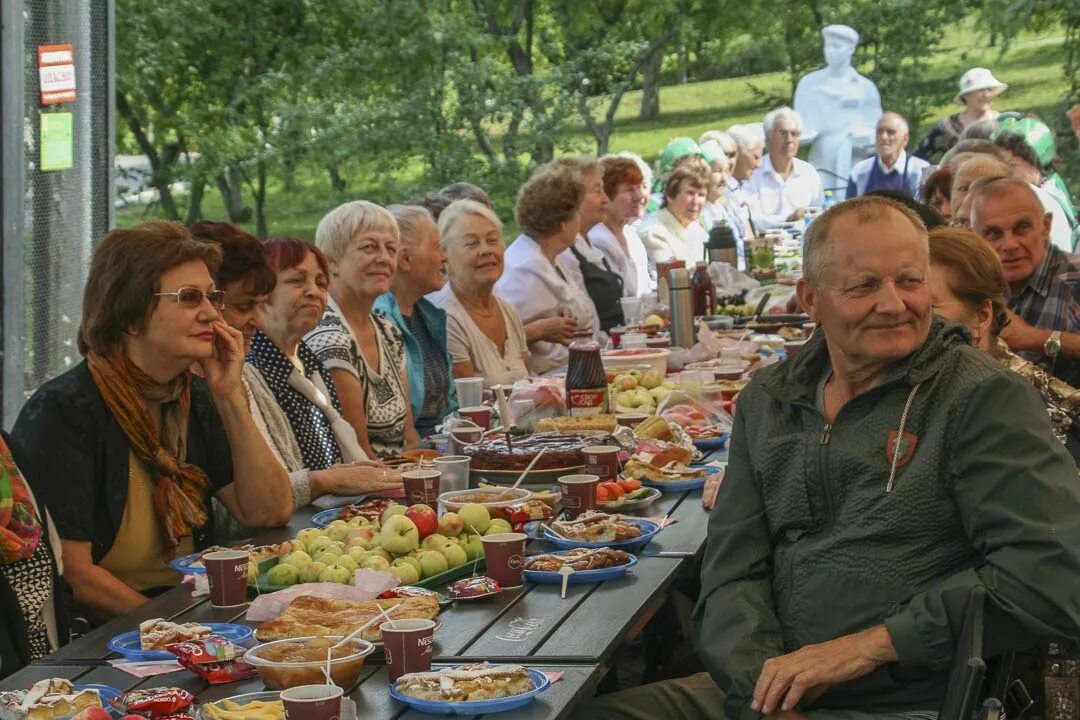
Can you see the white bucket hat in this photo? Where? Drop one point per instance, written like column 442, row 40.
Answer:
column 978, row 79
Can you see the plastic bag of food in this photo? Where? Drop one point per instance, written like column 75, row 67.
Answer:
column 368, row 585
column 700, row 414
column 548, row 397
column 154, row 702
column 214, row 659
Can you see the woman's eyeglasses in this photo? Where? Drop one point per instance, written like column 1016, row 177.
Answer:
column 192, row 297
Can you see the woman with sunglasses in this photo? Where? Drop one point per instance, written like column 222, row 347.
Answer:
column 126, row 448
column 363, row 351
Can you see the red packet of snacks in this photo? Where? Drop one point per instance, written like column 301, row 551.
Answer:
column 531, row 511
column 158, row 703
column 406, row 591
column 213, row 658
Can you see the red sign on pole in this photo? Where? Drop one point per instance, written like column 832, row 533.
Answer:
column 56, row 72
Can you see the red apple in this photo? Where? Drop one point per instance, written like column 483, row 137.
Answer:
column 425, row 519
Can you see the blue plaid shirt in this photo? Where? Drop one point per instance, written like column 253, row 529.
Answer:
column 1051, row 300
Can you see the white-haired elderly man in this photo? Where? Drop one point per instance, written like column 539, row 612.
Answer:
column 839, row 108
column 891, row 167
column 749, row 147
column 784, row 187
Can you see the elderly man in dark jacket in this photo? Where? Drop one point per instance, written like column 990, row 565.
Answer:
column 874, row 479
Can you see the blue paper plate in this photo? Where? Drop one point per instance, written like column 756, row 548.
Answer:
column 715, row 443
column 183, row 565
column 581, row 576
column 127, row 644
column 677, row 485
column 324, row 518
column 648, row 529
column 476, row 707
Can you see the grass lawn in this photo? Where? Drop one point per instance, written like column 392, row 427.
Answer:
column 1032, row 67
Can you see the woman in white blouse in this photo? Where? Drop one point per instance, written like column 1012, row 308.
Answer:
column 536, row 282
column 616, row 236
column 484, row 333
column 674, row 231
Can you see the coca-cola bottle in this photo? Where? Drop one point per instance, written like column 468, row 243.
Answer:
column 586, row 383
column 703, row 291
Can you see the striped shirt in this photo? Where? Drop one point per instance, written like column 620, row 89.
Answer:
column 1051, row 300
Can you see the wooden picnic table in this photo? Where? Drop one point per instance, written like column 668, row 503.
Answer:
column 578, row 636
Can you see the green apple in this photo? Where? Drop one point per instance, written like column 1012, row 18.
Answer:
column 308, row 534
column 347, row 562
column 398, row 535
column 432, row 562
column 452, row 541
column 451, row 524
column 406, row 574
column 473, row 545
column 410, row 561
column 498, row 526
column 335, row 574
column 642, row 397
column 297, row 558
column 336, row 546
column 651, row 379
column 357, row 555
column 433, row 542
column 337, row 532
column 476, row 517
column 316, row 545
column 454, row 554
column 381, row 552
column 627, row 398
column 311, row 572
column 283, row 575
column 375, row 562
column 359, row 543
column 358, row 522
column 327, row 558
column 392, row 511
column 659, row 393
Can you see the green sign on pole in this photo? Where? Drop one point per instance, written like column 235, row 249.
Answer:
column 57, row 142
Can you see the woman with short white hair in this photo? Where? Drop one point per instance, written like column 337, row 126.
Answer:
column 484, row 333
column 364, row 352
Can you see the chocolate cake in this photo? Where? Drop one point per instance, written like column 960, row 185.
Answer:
column 561, row 450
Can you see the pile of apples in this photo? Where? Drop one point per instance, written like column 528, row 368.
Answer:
column 412, row 543
column 636, row 391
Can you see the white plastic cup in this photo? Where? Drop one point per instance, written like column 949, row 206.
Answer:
column 631, row 308
column 470, row 391
column 455, row 472
column 629, row 341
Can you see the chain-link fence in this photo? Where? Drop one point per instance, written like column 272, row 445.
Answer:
column 51, row 218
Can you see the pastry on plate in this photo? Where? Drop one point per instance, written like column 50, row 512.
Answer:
column 467, row 683
column 594, row 526
column 579, row 559
column 672, row 472
column 309, row 616
column 156, row 633
column 47, row 699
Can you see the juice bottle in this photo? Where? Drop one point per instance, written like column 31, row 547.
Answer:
column 586, row 383
column 703, row 291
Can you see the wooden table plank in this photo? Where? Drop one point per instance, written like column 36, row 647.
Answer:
column 463, row 622
column 602, row 622
column 31, row 674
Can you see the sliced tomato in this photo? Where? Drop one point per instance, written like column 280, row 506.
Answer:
column 629, row 484
column 602, row 494
column 613, row 489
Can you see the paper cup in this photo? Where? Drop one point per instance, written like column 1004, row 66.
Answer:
column 578, row 493
column 630, row 419
column 422, row 486
column 504, row 554
column 312, row 702
column 462, row 433
column 407, row 646
column 602, row 461
column 455, row 472
column 480, row 414
column 227, row 571
column 470, row 391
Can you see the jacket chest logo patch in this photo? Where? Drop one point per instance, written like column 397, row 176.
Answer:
column 908, row 441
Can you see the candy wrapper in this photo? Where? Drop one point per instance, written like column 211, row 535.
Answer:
column 214, row 659
column 529, row 511
column 158, row 703
column 406, row 591
column 472, row 588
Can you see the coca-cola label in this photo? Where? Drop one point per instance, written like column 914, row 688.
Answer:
column 592, row 401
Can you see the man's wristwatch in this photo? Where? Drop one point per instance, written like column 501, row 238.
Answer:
column 1052, row 346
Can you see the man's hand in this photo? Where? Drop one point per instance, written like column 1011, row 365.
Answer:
column 809, row 671
column 1019, row 335
column 797, row 215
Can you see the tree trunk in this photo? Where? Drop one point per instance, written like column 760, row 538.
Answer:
column 194, row 211
column 684, row 64
column 650, row 87
column 230, row 185
column 337, row 183
column 260, row 201
column 161, row 174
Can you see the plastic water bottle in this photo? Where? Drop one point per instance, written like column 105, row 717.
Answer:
column 828, row 202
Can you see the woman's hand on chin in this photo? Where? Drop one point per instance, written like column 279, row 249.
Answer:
column 224, row 367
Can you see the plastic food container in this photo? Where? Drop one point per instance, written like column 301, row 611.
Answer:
column 281, row 675
column 616, row 361
column 456, row 499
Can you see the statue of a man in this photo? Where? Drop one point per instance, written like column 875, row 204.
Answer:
column 839, row 108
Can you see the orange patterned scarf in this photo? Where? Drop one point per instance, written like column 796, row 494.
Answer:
column 179, row 487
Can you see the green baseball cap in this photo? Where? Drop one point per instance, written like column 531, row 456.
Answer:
column 679, row 148
column 1034, row 132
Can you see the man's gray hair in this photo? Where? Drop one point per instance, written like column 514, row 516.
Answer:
column 865, row 208
column 780, row 112
column 748, row 136
column 458, row 209
column 411, row 220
